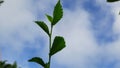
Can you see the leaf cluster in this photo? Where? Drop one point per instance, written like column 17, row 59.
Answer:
column 3, row 64
column 58, row 42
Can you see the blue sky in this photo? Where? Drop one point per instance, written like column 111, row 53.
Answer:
column 91, row 29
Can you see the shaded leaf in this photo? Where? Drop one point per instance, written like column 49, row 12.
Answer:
column 112, row 0
column 2, row 62
column 43, row 26
column 37, row 60
column 58, row 45
column 58, row 13
column 1, row 2
column 14, row 65
column 49, row 18
column 8, row 66
column 47, row 65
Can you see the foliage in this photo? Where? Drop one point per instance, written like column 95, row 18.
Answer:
column 3, row 64
column 58, row 42
column 112, row 0
column 1, row 1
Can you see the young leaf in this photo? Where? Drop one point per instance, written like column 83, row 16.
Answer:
column 37, row 60
column 112, row 0
column 58, row 45
column 43, row 26
column 49, row 18
column 58, row 13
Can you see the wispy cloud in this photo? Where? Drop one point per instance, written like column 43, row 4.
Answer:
column 83, row 50
column 81, row 44
column 17, row 30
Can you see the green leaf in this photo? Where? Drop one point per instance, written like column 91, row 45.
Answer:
column 37, row 60
column 58, row 45
column 8, row 66
column 112, row 0
column 47, row 65
column 14, row 65
column 2, row 62
column 49, row 18
column 43, row 26
column 58, row 13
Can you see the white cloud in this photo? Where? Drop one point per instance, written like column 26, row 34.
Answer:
column 17, row 24
column 82, row 50
column 114, row 47
column 80, row 42
column 116, row 10
column 16, row 28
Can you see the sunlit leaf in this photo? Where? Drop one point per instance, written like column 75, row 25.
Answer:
column 37, row 60
column 43, row 26
column 58, row 45
column 58, row 13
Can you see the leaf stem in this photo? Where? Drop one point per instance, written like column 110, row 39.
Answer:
column 50, row 44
